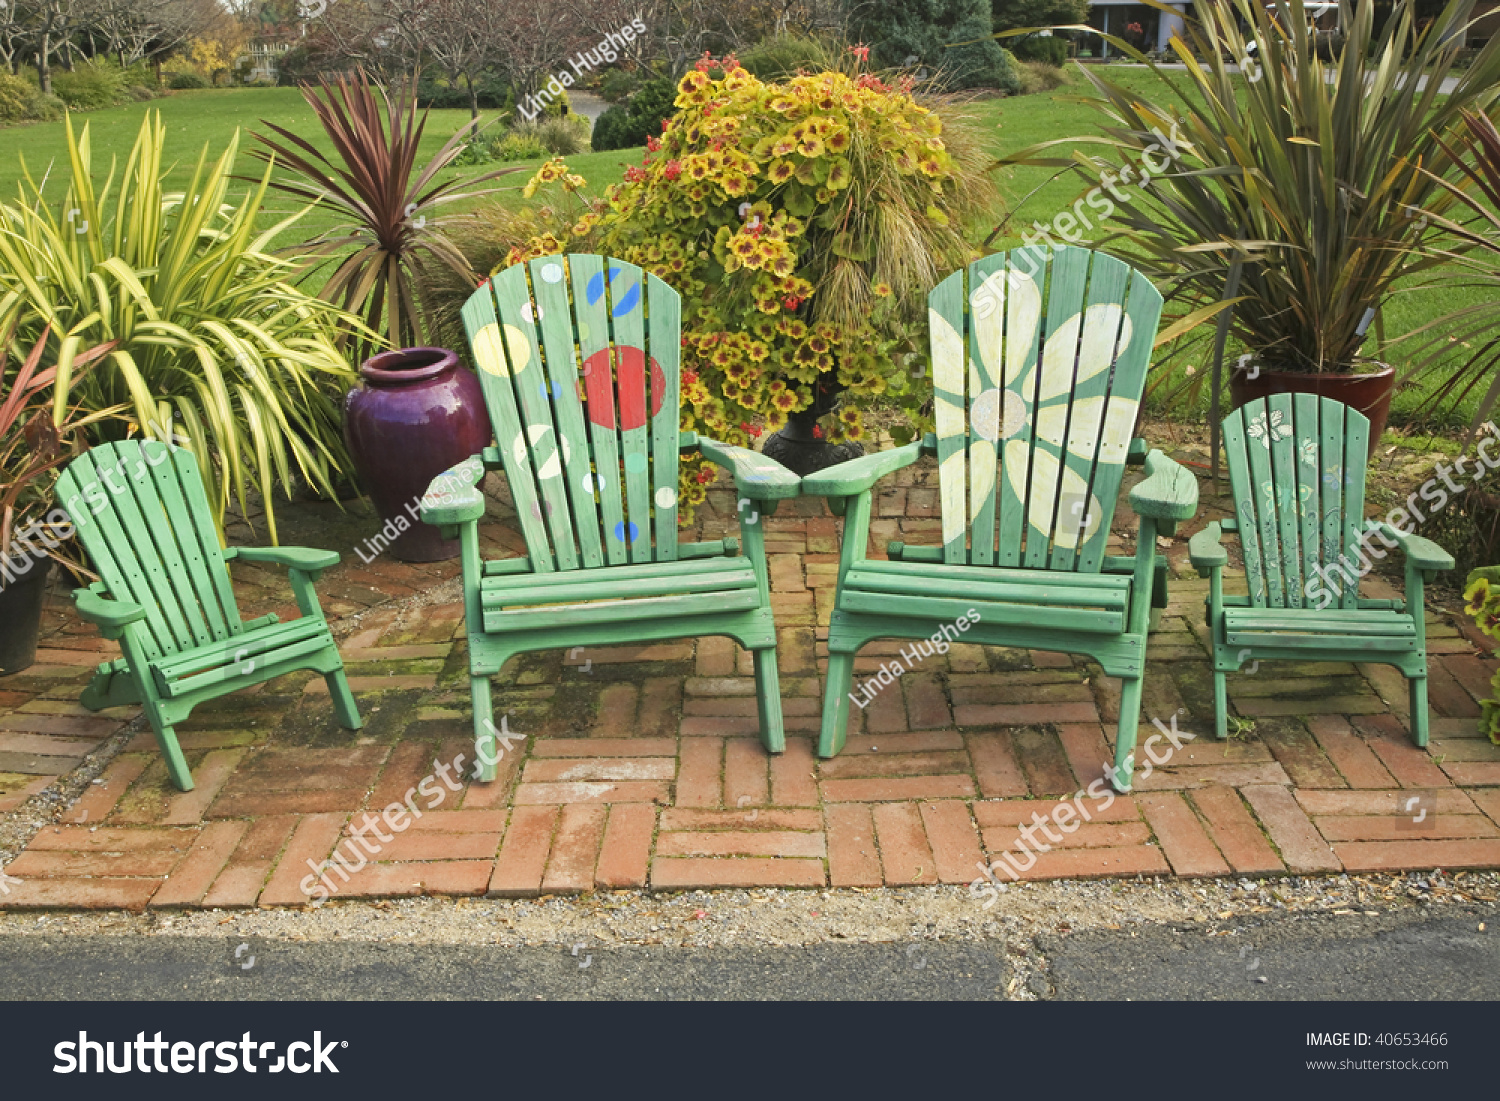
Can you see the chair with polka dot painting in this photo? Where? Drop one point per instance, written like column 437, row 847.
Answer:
column 578, row 356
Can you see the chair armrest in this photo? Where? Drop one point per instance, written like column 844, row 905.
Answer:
column 756, row 476
column 110, row 616
column 1206, row 552
column 1168, row 492
column 857, row 475
column 306, row 559
column 1424, row 554
column 454, row 496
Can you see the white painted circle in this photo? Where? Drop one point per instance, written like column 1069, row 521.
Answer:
column 593, row 482
column 532, row 312
column 552, row 273
column 984, row 415
column 666, row 497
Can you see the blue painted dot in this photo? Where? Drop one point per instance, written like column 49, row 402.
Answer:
column 635, row 462
column 595, row 289
column 629, row 302
column 620, row 532
column 557, row 389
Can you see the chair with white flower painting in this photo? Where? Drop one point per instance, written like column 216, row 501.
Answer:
column 1297, row 473
column 1039, row 359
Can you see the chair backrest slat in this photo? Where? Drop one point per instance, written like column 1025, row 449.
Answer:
column 945, row 303
column 1355, row 457
column 1309, row 481
column 587, row 463
column 1297, row 472
column 560, row 391
column 664, row 339
column 143, row 518
column 986, row 372
column 1039, row 361
column 627, row 308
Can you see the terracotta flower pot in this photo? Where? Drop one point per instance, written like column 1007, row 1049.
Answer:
column 1369, row 393
column 21, row 611
column 418, row 414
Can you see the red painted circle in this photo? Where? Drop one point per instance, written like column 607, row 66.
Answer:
column 601, row 390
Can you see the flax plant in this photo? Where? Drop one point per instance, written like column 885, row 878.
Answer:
column 1318, row 179
column 213, row 348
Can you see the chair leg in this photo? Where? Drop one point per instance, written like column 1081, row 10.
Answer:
column 484, row 728
column 1130, row 718
column 343, row 699
column 1221, row 705
column 835, row 721
column 768, row 696
column 1159, row 594
column 110, row 687
column 166, row 740
column 1417, row 687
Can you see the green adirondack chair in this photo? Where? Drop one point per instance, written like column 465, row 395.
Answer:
column 164, row 593
column 1039, row 360
column 1297, row 471
column 594, row 481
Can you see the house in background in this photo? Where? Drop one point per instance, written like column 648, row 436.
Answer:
column 1122, row 17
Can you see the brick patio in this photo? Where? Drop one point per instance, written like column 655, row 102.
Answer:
column 640, row 766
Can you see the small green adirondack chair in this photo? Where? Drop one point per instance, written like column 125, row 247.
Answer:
column 1297, row 472
column 1039, row 360
column 141, row 514
column 594, row 481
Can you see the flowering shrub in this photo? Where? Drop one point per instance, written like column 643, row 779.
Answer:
column 803, row 223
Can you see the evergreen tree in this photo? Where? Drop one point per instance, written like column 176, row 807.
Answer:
column 899, row 30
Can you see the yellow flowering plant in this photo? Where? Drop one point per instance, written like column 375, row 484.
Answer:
column 803, row 223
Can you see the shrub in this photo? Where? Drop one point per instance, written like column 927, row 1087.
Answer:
column 1048, row 51
column 623, row 127
column 186, row 81
column 16, row 97
column 46, row 107
column 804, row 224
column 517, row 146
column 1038, row 76
column 951, row 37
column 617, row 85
column 90, row 84
column 612, row 130
column 563, row 136
column 140, row 93
column 783, row 56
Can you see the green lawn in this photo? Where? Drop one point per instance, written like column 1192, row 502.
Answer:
column 196, row 119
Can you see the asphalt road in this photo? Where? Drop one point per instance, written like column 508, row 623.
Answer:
column 1413, row 957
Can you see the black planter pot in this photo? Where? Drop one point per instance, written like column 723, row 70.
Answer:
column 799, row 450
column 21, row 615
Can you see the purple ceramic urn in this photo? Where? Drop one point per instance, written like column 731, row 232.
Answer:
column 417, row 414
